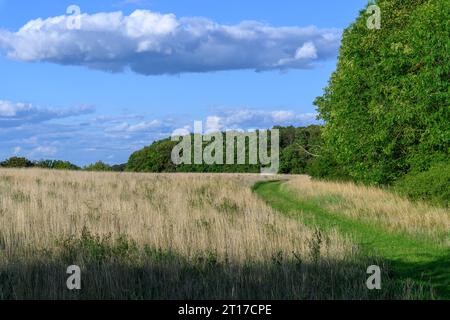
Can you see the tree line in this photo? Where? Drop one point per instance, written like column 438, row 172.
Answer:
column 22, row 162
column 297, row 147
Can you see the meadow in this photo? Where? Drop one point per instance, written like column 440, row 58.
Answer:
column 196, row 236
column 412, row 239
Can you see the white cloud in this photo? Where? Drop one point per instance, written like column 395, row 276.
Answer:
column 213, row 124
column 151, row 43
column 143, row 126
column 307, row 51
column 259, row 119
column 44, row 151
column 9, row 109
column 14, row 114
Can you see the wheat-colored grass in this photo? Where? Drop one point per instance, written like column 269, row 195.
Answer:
column 186, row 213
column 375, row 205
column 165, row 236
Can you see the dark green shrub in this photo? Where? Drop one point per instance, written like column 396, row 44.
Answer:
column 432, row 185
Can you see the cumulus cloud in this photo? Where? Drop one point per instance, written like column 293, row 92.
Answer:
column 257, row 119
column 13, row 114
column 151, row 43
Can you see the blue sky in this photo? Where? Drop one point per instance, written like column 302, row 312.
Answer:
column 122, row 80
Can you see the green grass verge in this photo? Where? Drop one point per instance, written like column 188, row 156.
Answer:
column 408, row 257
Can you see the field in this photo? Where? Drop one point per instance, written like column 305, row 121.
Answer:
column 200, row 236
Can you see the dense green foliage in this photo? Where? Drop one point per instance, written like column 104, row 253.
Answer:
column 56, row 164
column 432, row 185
column 118, row 167
column 16, row 162
column 98, row 166
column 20, row 162
column 297, row 147
column 297, row 154
column 386, row 108
column 154, row 158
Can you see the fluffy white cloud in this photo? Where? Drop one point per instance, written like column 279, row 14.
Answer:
column 152, row 43
column 307, row 51
column 13, row 114
column 214, row 124
column 257, row 119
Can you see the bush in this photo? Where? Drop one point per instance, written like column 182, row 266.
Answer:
column 119, row 167
column 98, row 166
column 325, row 167
column 56, row 164
column 431, row 185
column 16, row 162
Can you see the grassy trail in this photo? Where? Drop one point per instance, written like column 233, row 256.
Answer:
column 408, row 257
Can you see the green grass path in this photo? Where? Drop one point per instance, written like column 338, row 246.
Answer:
column 408, row 257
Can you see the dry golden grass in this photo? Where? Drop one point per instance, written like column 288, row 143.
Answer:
column 186, row 213
column 374, row 205
column 165, row 236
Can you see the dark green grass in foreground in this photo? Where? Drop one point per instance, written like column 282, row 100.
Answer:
column 408, row 258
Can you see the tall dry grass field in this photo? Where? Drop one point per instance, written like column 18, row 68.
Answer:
column 376, row 206
column 157, row 236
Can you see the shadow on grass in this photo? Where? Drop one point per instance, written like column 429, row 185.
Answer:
column 133, row 273
column 435, row 273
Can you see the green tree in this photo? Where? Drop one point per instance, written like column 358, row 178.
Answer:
column 119, row 167
column 296, row 152
column 98, row 166
column 17, row 162
column 56, row 164
column 154, row 158
column 386, row 108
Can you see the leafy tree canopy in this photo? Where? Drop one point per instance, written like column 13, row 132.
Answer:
column 16, row 162
column 386, row 108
